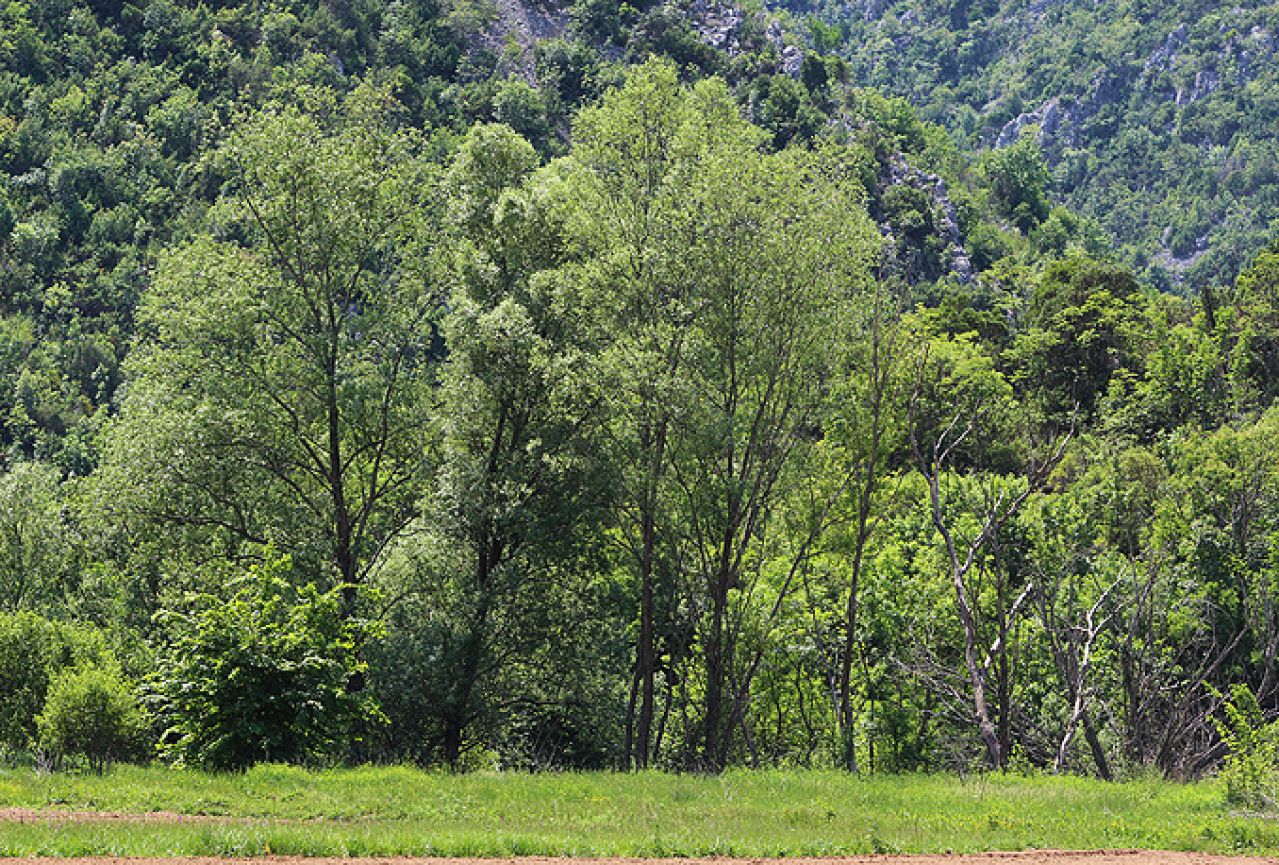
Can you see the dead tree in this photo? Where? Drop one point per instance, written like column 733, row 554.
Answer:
column 934, row 451
column 1072, row 639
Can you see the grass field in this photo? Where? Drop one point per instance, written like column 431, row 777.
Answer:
column 398, row 811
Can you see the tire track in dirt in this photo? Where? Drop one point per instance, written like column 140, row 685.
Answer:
column 1025, row 857
column 1031, row 857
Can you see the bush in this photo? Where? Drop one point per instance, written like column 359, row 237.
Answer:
column 1018, row 177
column 91, row 711
column 262, row 676
column 33, row 650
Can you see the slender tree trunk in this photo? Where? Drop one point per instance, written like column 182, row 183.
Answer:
column 1003, row 667
column 959, row 569
column 457, row 716
column 646, row 652
column 845, row 715
column 715, row 678
column 630, row 713
column 647, row 656
column 1094, row 745
column 977, row 677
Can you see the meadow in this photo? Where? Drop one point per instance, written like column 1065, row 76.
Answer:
column 401, row 811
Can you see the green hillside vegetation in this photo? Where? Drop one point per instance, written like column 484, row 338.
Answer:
column 1158, row 118
column 524, row 387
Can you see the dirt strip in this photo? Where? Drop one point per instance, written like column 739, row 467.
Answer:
column 1035, row 857
column 53, row 815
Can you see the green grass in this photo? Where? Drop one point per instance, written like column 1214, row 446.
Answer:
column 398, row 811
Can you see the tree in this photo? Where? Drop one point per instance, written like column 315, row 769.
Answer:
column 1253, row 331
column 959, row 403
column 281, row 391
column 778, row 250
column 710, row 403
column 33, row 651
column 519, row 407
column 1018, row 179
column 862, row 427
column 631, row 153
column 36, row 551
column 1082, row 332
column 1076, row 581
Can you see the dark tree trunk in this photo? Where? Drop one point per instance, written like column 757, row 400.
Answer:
column 1098, row 752
column 712, row 761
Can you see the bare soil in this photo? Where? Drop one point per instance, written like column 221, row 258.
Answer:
column 1036, row 857
column 53, row 815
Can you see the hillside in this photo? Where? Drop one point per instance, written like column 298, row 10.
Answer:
column 108, row 110
column 1158, row 119
column 525, row 384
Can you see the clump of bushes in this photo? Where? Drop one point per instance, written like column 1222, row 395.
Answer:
column 263, row 676
column 64, row 694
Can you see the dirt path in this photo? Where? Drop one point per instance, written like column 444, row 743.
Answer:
column 1040, row 857
column 53, row 815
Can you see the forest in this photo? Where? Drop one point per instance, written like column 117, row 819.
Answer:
column 604, row 387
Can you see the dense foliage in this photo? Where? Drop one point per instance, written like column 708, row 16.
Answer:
column 603, row 386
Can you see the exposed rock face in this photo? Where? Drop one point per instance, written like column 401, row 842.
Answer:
column 1048, row 117
column 874, row 8
column 523, row 24
column 1163, row 57
column 1206, row 81
column 722, row 24
column 792, row 60
column 719, row 24
column 945, row 223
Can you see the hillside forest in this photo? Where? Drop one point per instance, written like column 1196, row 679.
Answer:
column 531, row 385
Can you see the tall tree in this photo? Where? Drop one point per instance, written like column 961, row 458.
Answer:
column 778, row 251
column 519, row 407
column 631, row 156
column 863, row 428
column 960, row 406
column 280, row 390
column 37, row 551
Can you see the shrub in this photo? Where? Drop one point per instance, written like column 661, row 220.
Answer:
column 33, row 650
column 91, row 711
column 1018, row 178
column 260, row 677
column 1249, row 769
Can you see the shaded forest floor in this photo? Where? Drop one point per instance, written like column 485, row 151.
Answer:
column 397, row 812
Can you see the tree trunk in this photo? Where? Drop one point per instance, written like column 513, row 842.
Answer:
column 977, row 676
column 844, row 714
column 458, row 714
column 1098, row 753
column 646, row 656
column 653, row 444
column 715, row 682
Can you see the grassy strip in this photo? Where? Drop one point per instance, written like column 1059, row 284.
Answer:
column 396, row 811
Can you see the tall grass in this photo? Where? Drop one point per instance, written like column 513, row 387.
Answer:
column 401, row 811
